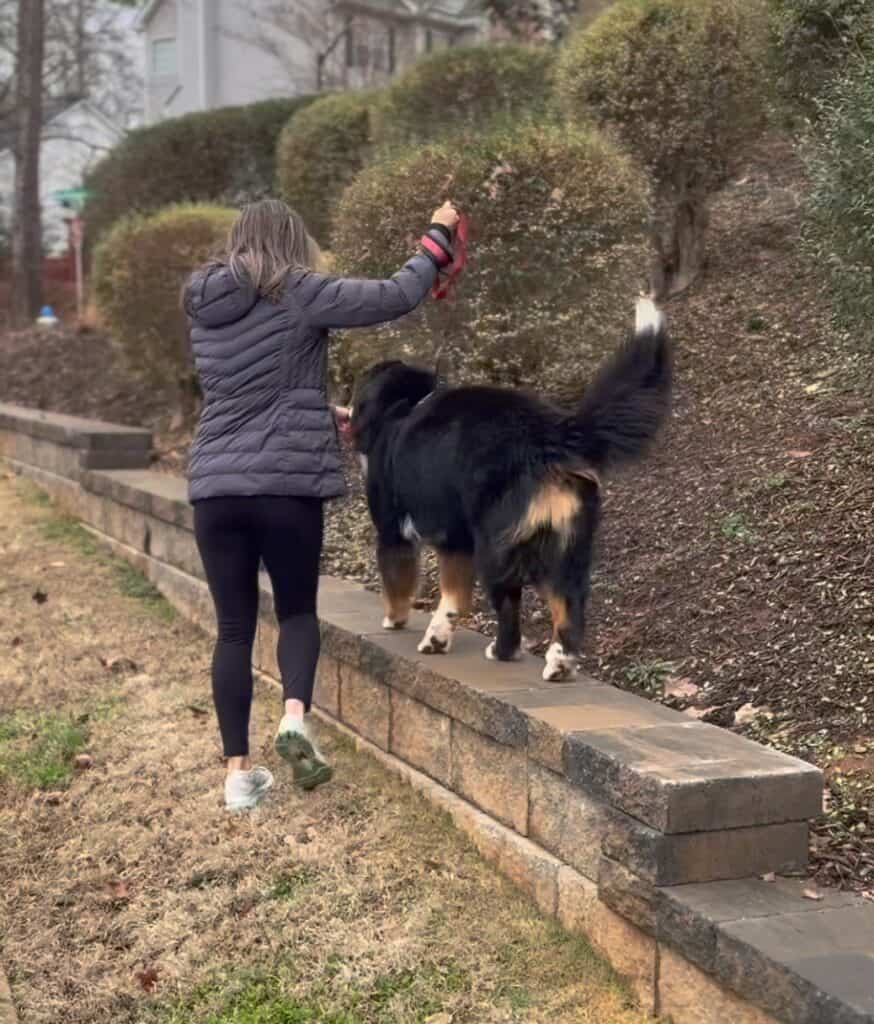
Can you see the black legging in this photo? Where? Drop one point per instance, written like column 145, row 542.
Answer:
column 234, row 535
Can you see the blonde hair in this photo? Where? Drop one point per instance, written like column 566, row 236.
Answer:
column 266, row 243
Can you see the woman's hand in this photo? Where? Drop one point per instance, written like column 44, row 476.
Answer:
column 446, row 215
column 343, row 419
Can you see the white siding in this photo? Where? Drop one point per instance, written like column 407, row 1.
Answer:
column 231, row 52
column 72, row 143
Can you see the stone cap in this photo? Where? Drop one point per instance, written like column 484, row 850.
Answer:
column 650, row 762
column 803, row 960
column 73, row 431
column 156, row 494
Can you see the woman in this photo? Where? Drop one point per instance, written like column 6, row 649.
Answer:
column 265, row 456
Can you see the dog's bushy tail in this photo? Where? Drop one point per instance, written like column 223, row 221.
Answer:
column 630, row 397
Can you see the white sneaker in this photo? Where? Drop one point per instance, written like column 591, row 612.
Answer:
column 245, row 790
column 295, row 745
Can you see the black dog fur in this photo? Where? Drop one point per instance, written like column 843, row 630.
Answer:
column 505, row 486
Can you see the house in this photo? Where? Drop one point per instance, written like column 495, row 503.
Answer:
column 75, row 136
column 202, row 54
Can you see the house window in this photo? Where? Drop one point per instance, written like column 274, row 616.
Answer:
column 369, row 47
column 163, row 57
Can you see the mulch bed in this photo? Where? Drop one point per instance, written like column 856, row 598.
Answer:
column 733, row 575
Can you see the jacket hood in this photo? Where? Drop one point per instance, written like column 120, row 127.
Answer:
column 215, row 298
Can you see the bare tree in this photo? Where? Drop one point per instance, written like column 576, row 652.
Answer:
column 534, row 19
column 26, row 229
column 337, row 45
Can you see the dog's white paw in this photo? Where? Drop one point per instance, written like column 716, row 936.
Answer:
column 389, row 623
column 491, row 653
column 438, row 636
column 560, row 667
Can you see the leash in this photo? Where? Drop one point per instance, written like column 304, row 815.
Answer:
column 448, row 279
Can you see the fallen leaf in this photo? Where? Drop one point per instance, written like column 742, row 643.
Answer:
column 57, row 565
column 40, row 596
column 16, row 641
column 148, row 979
column 120, row 890
column 812, row 389
column 83, row 761
column 196, row 711
column 796, row 454
column 748, row 712
column 769, row 877
column 813, row 894
column 118, row 663
column 52, row 798
column 439, row 1018
column 697, row 713
column 680, row 687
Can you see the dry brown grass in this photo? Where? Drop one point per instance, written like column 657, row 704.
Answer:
column 358, row 904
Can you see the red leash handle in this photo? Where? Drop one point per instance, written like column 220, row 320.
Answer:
column 446, row 281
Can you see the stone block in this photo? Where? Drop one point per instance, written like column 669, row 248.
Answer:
column 327, row 691
column 265, row 653
column 689, row 915
column 577, row 901
column 689, row 996
column 705, row 856
column 532, row 870
column 628, row 894
column 490, row 775
column 809, row 968
column 365, row 706
column 441, row 682
column 632, row 953
column 172, row 544
column 421, row 736
column 565, row 820
column 691, row 777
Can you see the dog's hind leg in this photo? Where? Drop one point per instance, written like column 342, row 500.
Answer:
column 399, row 569
column 507, row 646
column 566, row 589
column 457, row 578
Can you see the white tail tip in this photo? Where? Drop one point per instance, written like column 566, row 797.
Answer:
column 648, row 316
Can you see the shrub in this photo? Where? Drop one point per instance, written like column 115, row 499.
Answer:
column 320, row 151
column 468, row 87
column 840, row 205
column 682, row 83
column 139, row 269
column 225, row 156
column 557, row 252
column 812, row 40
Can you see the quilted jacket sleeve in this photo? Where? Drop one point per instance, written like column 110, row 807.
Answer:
column 335, row 302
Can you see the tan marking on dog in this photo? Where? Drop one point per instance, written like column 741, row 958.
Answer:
column 558, row 611
column 553, row 507
column 399, row 569
column 457, row 578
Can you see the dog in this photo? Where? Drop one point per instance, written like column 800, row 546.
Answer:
column 506, row 487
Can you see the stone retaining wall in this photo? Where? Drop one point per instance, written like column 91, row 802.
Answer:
column 624, row 819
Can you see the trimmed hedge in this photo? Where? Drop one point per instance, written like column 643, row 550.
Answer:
column 226, row 156
column 139, row 268
column 320, row 151
column 558, row 252
column 840, row 204
column 463, row 88
column 684, row 85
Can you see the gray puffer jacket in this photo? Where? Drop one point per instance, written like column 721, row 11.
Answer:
column 266, row 426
